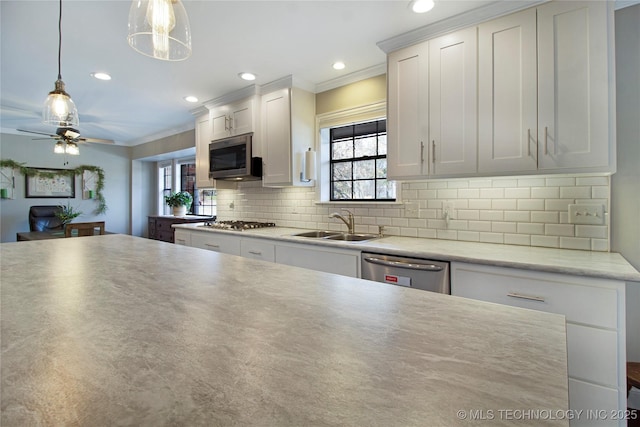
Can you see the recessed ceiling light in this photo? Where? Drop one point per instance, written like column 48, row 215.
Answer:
column 101, row 76
column 338, row 65
column 421, row 6
column 190, row 98
column 247, row 76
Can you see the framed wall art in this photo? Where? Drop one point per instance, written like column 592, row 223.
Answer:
column 50, row 183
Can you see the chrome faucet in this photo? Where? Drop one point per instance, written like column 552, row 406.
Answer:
column 349, row 222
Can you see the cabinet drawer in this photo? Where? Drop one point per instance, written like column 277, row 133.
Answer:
column 182, row 237
column 583, row 300
column 593, row 400
column 216, row 242
column 593, row 354
column 164, row 235
column 258, row 249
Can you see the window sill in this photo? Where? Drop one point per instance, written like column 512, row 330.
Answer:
column 347, row 202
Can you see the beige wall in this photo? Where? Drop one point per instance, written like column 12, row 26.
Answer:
column 163, row 146
column 360, row 93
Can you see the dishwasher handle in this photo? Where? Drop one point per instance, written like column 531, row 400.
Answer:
column 403, row 264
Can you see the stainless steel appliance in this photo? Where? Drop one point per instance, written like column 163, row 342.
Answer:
column 404, row 271
column 230, row 159
column 238, row 225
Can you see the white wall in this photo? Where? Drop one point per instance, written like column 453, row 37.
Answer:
column 114, row 160
column 625, row 196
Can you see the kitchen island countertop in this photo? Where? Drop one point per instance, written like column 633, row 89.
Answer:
column 120, row 330
column 607, row 265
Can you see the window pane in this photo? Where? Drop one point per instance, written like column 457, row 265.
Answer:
column 382, row 144
column 364, row 169
column 381, row 168
column 342, row 150
column 342, row 190
column 385, row 189
column 365, row 146
column 364, row 189
column 341, row 171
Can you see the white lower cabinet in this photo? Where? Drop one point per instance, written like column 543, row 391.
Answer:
column 319, row 258
column 182, row 237
column 216, row 242
column 595, row 316
column 261, row 249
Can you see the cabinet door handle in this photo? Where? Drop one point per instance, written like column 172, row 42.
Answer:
column 230, row 123
column 433, row 152
column 546, row 133
column 226, row 120
column 210, row 245
column 527, row 297
column 528, row 142
column 421, row 151
column 255, row 252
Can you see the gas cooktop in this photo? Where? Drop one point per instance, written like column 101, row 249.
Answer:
column 238, row 225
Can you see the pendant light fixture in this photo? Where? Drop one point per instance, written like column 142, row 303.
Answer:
column 59, row 109
column 160, row 29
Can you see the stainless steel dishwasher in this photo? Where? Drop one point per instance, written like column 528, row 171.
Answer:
column 404, row 271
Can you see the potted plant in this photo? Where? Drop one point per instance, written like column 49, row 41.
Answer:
column 67, row 214
column 180, row 202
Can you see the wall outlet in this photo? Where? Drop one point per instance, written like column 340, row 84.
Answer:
column 412, row 210
column 448, row 210
column 586, row 214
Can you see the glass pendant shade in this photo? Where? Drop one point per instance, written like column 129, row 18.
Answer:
column 72, row 149
column 59, row 109
column 58, row 148
column 160, row 29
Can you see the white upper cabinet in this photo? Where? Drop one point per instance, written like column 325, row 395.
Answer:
column 530, row 92
column 203, row 138
column 507, row 94
column 453, row 110
column 233, row 119
column 574, row 85
column 432, row 110
column 407, row 112
column 287, row 131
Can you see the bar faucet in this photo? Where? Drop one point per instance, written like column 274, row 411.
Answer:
column 349, row 222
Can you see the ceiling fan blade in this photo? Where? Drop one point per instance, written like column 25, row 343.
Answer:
column 39, row 133
column 41, row 139
column 97, row 140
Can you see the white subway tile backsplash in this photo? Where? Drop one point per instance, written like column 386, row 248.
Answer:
column 575, row 192
column 529, row 211
column 504, row 204
column 491, row 193
column 530, row 205
column 592, row 180
column 545, row 192
column 517, row 193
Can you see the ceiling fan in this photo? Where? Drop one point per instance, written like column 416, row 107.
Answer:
column 67, row 135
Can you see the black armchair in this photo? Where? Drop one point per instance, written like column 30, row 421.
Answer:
column 43, row 218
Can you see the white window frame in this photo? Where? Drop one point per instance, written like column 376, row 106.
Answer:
column 324, row 122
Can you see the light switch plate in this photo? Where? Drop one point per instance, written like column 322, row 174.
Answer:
column 586, row 214
column 448, row 210
column 411, row 210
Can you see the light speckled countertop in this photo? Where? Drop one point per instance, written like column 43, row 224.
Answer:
column 606, row 265
column 121, row 330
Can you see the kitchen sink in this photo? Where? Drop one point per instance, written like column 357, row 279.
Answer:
column 336, row 235
column 318, row 234
column 346, row 237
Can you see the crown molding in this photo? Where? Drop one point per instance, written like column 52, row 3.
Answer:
column 230, row 97
column 463, row 20
column 356, row 76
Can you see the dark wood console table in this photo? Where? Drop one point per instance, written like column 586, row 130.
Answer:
column 160, row 225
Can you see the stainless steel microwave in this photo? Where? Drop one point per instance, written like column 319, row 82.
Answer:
column 230, row 159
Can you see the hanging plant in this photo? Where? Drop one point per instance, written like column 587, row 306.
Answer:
column 27, row 171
